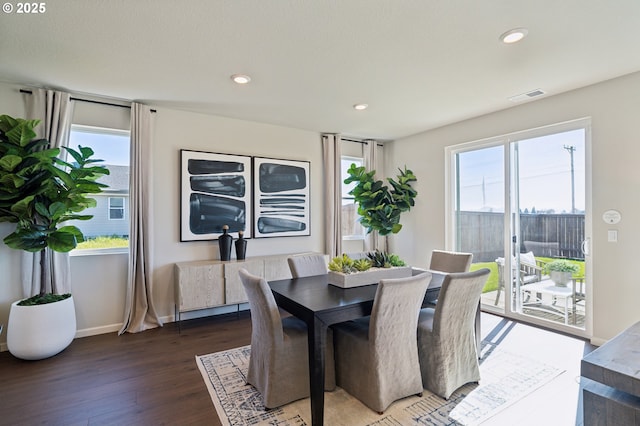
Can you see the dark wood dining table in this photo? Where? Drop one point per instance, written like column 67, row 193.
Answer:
column 320, row 304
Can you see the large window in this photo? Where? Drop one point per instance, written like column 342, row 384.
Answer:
column 109, row 226
column 351, row 228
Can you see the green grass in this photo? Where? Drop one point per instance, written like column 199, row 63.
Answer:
column 492, row 281
column 103, row 243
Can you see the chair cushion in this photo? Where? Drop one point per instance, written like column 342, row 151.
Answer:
column 528, row 258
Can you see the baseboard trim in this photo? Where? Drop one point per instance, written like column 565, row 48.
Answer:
column 94, row 331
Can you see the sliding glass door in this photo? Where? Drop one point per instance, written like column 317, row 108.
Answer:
column 518, row 203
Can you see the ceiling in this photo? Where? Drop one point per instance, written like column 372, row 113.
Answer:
column 418, row 64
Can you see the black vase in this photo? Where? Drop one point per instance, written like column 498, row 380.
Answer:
column 241, row 247
column 224, row 242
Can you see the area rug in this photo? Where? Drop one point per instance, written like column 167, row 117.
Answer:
column 506, row 378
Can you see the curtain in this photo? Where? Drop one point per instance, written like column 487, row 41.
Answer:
column 333, row 194
column 54, row 109
column 372, row 241
column 140, row 313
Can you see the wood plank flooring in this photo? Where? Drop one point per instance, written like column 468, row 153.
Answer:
column 148, row 378
column 151, row 378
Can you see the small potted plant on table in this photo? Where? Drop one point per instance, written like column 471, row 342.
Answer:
column 561, row 271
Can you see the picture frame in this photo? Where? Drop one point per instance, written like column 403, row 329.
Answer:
column 281, row 197
column 216, row 190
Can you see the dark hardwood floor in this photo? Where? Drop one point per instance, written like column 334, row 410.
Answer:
column 148, row 378
column 151, row 378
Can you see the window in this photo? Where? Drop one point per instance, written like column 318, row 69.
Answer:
column 109, row 226
column 116, row 208
column 351, row 228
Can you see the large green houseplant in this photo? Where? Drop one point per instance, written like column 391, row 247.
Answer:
column 38, row 192
column 379, row 206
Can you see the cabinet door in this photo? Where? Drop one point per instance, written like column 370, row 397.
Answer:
column 234, row 292
column 199, row 285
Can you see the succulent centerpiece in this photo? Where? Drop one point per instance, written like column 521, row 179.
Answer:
column 347, row 272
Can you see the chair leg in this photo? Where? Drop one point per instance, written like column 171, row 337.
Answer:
column 497, row 295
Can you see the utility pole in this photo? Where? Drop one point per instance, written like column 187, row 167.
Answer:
column 570, row 150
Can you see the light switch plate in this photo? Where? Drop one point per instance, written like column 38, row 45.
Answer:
column 612, row 236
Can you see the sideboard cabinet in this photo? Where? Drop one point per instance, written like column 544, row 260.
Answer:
column 213, row 283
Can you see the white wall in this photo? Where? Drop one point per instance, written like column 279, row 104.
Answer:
column 99, row 281
column 615, row 112
column 177, row 130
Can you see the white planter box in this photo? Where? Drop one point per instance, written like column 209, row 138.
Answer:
column 371, row 276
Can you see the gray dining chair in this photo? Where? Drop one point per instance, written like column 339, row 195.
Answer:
column 447, row 345
column 377, row 356
column 306, row 265
column 450, row 261
column 279, row 361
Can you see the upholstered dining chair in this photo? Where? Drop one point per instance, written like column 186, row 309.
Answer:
column 306, row 265
column 377, row 356
column 450, row 261
column 446, row 334
column 279, row 362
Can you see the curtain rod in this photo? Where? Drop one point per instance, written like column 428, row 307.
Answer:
column 29, row 92
column 361, row 142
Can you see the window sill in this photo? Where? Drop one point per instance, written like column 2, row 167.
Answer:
column 99, row 252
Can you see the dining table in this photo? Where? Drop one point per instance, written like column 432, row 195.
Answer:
column 320, row 304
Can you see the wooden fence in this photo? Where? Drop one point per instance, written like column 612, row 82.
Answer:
column 482, row 233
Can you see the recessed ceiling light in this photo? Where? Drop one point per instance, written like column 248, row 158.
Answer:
column 241, row 78
column 514, row 35
column 360, row 107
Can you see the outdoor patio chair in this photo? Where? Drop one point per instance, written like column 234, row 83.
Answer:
column 530, row 272
column 579, row 294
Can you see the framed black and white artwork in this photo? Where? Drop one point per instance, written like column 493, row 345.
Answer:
column 215, row 191
column 281, row 197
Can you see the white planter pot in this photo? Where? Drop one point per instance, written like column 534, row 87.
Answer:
column 41, row 331
column 560, row 278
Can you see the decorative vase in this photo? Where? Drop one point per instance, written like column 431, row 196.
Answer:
column 241, row 246
column 224, row 242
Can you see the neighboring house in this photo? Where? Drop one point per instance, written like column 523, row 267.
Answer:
column 111, row 215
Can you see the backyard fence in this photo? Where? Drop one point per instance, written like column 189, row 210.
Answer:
column 482, row 233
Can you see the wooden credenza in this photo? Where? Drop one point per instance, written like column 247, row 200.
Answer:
column 213, row 283
column 611, row 381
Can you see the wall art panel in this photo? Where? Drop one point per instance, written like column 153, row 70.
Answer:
column 215, row 191
column 281, row 197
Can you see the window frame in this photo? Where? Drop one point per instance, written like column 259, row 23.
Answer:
column 346, row 197
column 99, row 130
column 111, row 208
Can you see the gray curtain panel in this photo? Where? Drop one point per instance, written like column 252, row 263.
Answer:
column 140, row 313
column 331, row 148
column 54, row 109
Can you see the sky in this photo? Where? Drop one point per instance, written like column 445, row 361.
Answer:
column 112, row 147
column 544, row 174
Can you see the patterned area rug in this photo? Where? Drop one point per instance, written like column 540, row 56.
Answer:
column 506, row 378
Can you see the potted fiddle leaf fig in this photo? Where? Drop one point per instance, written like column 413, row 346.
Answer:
column 39, row 192
column 378, row 206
